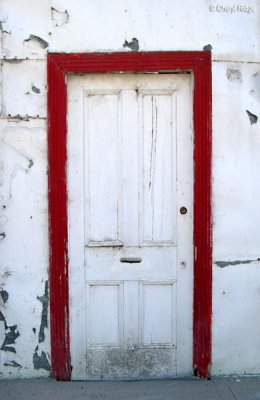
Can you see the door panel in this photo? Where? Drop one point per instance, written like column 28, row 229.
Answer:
column 157, row 313
column 103, row 168
column 130, row 169
column 157, row 168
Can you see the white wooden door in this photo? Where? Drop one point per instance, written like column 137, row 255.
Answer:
column 130, row 170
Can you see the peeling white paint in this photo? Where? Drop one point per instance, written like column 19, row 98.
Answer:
column 11, row 162
column 236, row 320
column 24, row 250
column 59, row 17
column 22, row 20
column 104, row 26
column 19, row 99
column 236, row 166
column 87, row 26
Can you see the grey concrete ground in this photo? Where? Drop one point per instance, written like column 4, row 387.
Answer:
column 179, row 389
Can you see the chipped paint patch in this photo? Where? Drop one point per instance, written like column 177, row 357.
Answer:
column 13, row 60
column 44, row 319
column 4, row 294
column 11, row 334
column 40, row 357
column 59, row 17
column 252, row 117
column 24, row 118
column 18, row 118
column 234, row 75
column 2, row 318
column 41, row 361
column 207, row 47
column 2, row 235
column 223, row 264
column 35, row 89
column 38, row 40
column 133, row 45
column 12, row 364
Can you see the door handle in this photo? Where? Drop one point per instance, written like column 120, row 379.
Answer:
column 130, row 260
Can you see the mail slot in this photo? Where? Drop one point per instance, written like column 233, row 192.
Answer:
column 130, row 260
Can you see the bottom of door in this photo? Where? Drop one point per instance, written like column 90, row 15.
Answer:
column 131, row 363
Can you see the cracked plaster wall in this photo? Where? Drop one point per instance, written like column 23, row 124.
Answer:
column 28, row 31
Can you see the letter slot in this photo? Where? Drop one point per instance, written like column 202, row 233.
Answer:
column 130, row 260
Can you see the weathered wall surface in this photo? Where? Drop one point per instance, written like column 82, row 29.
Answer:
column 28, row 31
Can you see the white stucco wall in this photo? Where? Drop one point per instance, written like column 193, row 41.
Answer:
column 91, row 26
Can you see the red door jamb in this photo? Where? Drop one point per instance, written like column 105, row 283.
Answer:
column 59, row 65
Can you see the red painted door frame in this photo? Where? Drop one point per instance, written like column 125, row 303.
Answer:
column 59, row 65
